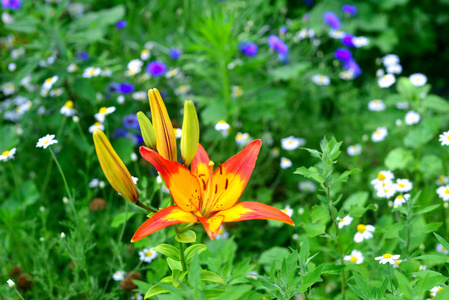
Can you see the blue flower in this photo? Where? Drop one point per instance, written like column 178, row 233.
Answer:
column 347, row 40
column 83, row 55
column 121, row 24
column 283, row 30
column 175, row 53
column 277, row 44
column 131, row 121
column 353, row 66
column 13, row 4
column 349, row 9
column 343, row 54
column 332, row 20
column 125, row 88
column 156, row 68
column 248, row 48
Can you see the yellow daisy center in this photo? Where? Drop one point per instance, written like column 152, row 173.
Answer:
column 401, row 185
column 69, row 104
column 5, row 153
column 46, row 142
column 221, row 231
column 103, row 110
column 48, row 80
column 149, row 253
column 398, row 262
column 222, row 122
column 342, row 220
column 91, row 71
column 361, row 228
column 446, row 191
column 439, row 289
column 353, row 258
column 399, row 197
column 380, row 176
column 98, row 124
column 377, row 132
column 387, row 255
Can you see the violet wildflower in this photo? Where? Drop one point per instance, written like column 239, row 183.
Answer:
column 343, row 54
column 248, row 48
column 156, row 68
column 332, row 20
column 349, row 9
column 277, row 44
column 131, row 121
column 348, row 40
column 175, row 53
column 125, row 88
column 352, row 65
column 12, row 4
column 121, row 24
column 83, row 55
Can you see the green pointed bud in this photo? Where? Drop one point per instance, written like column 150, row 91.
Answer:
column 190, row 133
column 148, row 134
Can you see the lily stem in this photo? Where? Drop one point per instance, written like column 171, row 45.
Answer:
column 181, row 251
column 140, row 204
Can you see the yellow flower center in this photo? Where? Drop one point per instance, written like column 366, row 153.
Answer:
column 446, row 191
column 98, row 124
column 91, row 71
column 387, row 255
column 361, row 228
column 182, row 88
column 342, row 220
column 353, row 258
column 380, row 176
column 103, row 110
column 222, row 122
column 444, row 249
column 439, row 290
column 46, row 142
column 145, row 51
column 441, row 178
column 69, row 104
column 5, row 153
column 401, row 185
column 398, row 262
column 221, row 231
column 399, row 197
column 377, row 132
column 48, row 80
column 149, row 253
column 290, row 142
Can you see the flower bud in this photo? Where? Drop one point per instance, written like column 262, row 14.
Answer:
column 190, row 133
column 165, row 135
column 114, row 169
column 147, row 130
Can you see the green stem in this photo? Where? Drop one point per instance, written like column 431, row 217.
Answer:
column 62, row 174
column 181, row 251
column 21, row 297
column 140, row 204
column 15, row 177
column 389, row 275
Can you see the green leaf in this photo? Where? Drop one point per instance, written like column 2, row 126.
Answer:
column 319, row 213
column 188, row 236
column 289, row 71
column 441, row 240
column 345, row 176
column 190, row 251
column 357, row 212
column 436, row 103
column 313, row 152
column 311, row 279
column 168, row 250
column 195, row 272
column 304, row 252
column 361, row 283
column 211, row 276
column 357, row 291
column 156, row 289
column 273, row 256
column 383, row 288
column 434, row 257
column 314, row 229
column 398, row 159
column 122, row 218
column 174, row 264
column 427, row 209
column 418, row 137
column 332, row 269
column 357, row 199
column 404, row 285
column 431, row 227
column 235, row 292
column 177, row 277
column 311, row 172
column 431, row 166
column 442, row 295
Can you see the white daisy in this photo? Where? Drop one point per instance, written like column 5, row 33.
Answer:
column 145, row 54
column 307, row 186
column 49, row 82
column 178, row 132
column 435, row 290
column 336, row 34
column 444, row 138
column 360, row 41
column 275, row 151
column 403, row 185
column 46, row 141
column 364, row 232
column 379, row 135
column 91, row 72
column 442, row 180
column 354, row 257
column 418, row 79
column 252, row 275
column 412, row 118
column 68, row 109
column 172, row 73
column 97, row 125
column 134, row 67
column 292, row 143
column 397, row 263
column 135, row 179
column 147, row 255
column 402, row 105
column 72, row 68
column 222, row 233
column 354, row 150
column 441, row 249
column 385, row 189
column 383, row 176
column 119, row 275
column 386, row 80
column 237, row 91
column 347, row 74
column 376, row 105
column 400, row 199
column 443, row 192
column 387, row 258
column 321, row 79
column 104, row 111
column 345, row 221
column 94, row 183
column 242, row 139
column 137, row 296
column 286, row 163
column 8, row 154
column 11, row 283
column 390, row 59
column 394, row 69
column 222, row 126
column 288, row 210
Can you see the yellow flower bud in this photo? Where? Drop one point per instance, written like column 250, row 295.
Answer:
column 190, row 133
column 148, row 134
column 115, row 171
column 165, row 135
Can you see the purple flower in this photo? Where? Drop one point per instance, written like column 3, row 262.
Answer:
column 343, row 54
column 125, row 88
column 175, row 53
column 347, row 40
column 248, row 48
column 277, row 44
column 120, row 132
column 332, row 20
column 130, row 121
column 83, row 55
column 349, row 9
column 283, row 30
column 121, row 24
column 156, row 68
column 13, row 4
column 352, row 65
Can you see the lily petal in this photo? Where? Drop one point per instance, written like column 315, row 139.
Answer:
column 200, row 167
column 211, row 225
column 249, row 210
column 183, row 186
column 231, row 178
column 165, row 217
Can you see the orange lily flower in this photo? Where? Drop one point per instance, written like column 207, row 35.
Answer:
column 207, row 196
